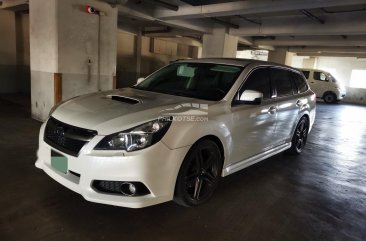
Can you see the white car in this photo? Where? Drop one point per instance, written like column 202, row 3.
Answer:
column 324, row 85
column 174, row 135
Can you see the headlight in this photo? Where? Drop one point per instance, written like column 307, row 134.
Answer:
column 135, row 138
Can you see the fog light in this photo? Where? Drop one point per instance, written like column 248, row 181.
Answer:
column 132, row 189
column 128, row 189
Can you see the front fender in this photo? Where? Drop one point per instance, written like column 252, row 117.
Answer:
column 184, row 133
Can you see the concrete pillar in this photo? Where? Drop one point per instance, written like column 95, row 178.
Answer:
column 309, row 63
column 138, row 53
column 289, row 57
column 72, row 52
column 8, row 55
column 219, row 44
column 280, row 56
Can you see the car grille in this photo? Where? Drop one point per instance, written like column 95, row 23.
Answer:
column 66, row 138
column 108, row 186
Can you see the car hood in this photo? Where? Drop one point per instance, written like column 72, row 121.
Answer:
column 112, row 111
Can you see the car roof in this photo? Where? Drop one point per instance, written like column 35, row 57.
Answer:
column 235, row 61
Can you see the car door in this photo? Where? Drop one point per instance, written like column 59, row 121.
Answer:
column 253, row 125
column 320, row 83
column 286, row 102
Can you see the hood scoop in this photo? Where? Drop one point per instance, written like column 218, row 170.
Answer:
column 124, row 99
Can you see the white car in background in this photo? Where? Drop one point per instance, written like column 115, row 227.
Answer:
column 173, row 135
column 324, row 85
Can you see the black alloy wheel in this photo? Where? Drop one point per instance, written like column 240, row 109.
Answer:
column 199, row 174
column 300, row 136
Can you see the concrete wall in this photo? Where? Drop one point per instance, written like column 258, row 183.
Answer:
column 355, row 95
column 166, row 50
column 7, row 52
column 65, row 39
column 309, row 63
column 14, row 52
column 23, row 53
column 126, row 59
column 78, row 44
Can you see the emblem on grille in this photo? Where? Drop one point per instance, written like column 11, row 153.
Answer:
column 60, row 135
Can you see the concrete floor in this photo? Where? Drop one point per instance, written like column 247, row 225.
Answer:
column 320, row 195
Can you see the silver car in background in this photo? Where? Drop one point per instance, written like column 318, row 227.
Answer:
column 173, row 135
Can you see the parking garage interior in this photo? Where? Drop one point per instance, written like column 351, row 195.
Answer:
column 53, row 50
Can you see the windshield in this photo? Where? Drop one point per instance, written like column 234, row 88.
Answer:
column 197, row 80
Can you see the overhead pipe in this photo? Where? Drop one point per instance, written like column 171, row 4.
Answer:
column 248, row 20
column 164, row 4
column 165, row 30
column 115, row 2
column 343, row 11
column 312, row 16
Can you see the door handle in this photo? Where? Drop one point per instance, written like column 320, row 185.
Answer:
column 272, row 110
column 299, row 103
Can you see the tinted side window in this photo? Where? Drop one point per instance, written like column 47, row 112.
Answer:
column 258, row 80
column 300, row 83
column 283, row 81
column 306, row 73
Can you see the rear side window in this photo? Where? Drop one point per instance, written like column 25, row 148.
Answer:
column 306, row 73
column 258, row 80
column 283, row 81
column 300, row 83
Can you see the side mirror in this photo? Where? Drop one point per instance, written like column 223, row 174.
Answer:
column 139, row 80
column 250, row 97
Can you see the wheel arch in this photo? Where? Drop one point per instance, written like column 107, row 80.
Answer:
column 307, row 117
column 293, row 149
column 329, row 92
column 304, row 114
column 216, row 140
column 218, row 143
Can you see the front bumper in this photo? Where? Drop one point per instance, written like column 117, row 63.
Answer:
column 340, row 94
column 156, row 167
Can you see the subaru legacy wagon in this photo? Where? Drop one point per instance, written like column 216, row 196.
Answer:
column 173, row 135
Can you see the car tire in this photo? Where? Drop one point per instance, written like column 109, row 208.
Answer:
column 300, row 136
column 329, row 98
column 199, row 174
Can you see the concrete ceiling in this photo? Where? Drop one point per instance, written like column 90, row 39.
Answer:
column 327, row 27
column 307, row 27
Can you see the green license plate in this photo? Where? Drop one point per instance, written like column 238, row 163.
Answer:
column 58, row 162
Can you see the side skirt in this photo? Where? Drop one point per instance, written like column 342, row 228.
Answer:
column 230, row 169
